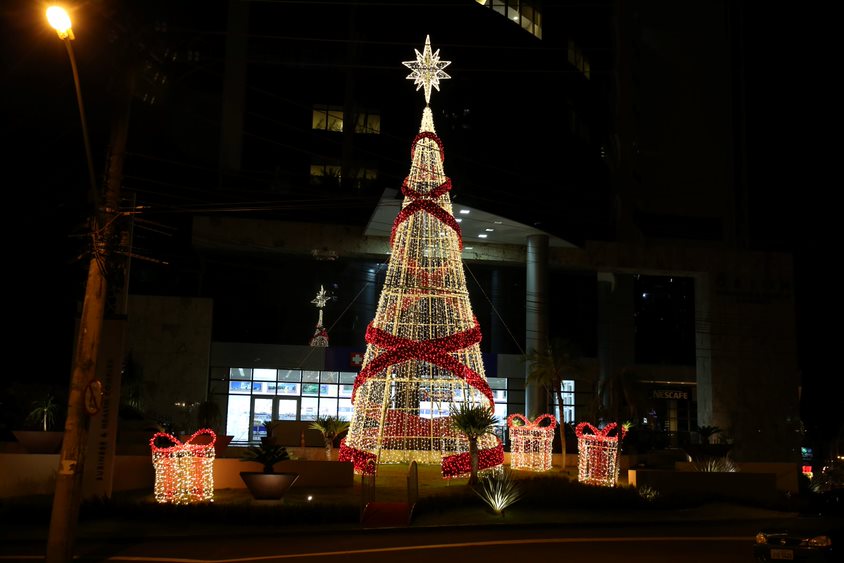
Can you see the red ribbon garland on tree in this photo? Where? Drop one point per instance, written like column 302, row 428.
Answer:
column 435, row 351
column 433, row 194
column 422, row 201
column 461, row 464
column 433, row 209
column 427, row 135
column 363, row 462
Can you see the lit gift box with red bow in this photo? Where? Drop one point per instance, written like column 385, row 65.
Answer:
column 530, row 442
column 184, row 471
column 598, row 453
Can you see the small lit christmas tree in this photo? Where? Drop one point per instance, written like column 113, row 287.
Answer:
column 320, row 337
column 423, row 357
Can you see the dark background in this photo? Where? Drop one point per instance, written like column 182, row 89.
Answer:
column 793, row 139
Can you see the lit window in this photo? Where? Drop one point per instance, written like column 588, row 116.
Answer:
column 240, row 373
column 328, row 376
column 308, row 408
column 524, row 13
column 344, row 409
column 288, row 389
column 291, row 375
column 328, row 118
column 326, row 390
column 368, row 123
column 327, row 408
column 264, row 374
column 323, row 174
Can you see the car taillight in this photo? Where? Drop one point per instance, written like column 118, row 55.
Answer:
column 820, row 541
column 761, row 538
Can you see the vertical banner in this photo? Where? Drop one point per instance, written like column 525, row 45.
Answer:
column 102, row 431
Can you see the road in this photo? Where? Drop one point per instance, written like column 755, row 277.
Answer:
column 723, row 542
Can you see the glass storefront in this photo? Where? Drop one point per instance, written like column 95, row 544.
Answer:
column 257, row 395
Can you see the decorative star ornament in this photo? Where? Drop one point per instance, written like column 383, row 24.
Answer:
column 427, row 69
column 322, row 298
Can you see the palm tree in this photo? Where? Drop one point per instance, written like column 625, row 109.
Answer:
column 474, row 421
column 43, row 412
column 620, row 395
column 549, row 367
column 706, row 432
column 330, row 427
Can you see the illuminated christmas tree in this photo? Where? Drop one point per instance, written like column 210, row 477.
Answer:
column 423, row 357
column 320, row 337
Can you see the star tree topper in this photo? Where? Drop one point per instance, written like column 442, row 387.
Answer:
column 322, row 298
column 427, row 69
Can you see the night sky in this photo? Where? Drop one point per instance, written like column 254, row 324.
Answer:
column 792, row 131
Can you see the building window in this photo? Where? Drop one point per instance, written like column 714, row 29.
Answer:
column 257, row 395
column 525, row 13
column 368, row 123
column 324, row 174
column 330, row 118
column 578, row 60
column 568, row 401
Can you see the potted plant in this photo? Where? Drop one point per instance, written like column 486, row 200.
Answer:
column 43, row 416
column 331, row 427
column 208, row 415
column 269, row 439
column 267, row 484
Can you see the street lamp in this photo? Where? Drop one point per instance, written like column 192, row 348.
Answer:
column 84, row 391
column 60, row 21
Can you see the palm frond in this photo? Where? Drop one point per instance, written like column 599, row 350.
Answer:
column 473, row 420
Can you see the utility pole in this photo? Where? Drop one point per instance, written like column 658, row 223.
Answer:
column 85, row 394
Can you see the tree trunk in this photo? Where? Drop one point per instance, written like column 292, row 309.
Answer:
column 562, row 424
column 473, row 455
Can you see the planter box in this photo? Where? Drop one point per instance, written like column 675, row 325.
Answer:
column 268, row 486
column 739, row 486
column 786, row 474
column 311, row 473
column 39, row 441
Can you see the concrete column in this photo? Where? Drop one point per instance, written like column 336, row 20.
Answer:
column 616, row 327
column 747, row 373
column 496, row 328
column 536, row 315
column 606, row 282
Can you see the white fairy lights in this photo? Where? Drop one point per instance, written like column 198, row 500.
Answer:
column 422, row 352
column 427, row 70
column 531, row 442
column 184, row 472
column 598, row 453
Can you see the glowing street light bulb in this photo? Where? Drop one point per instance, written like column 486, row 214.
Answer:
column 60, row 21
